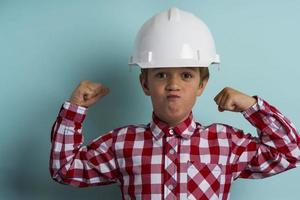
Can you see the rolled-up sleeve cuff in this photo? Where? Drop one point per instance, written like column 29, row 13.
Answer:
column 254, row 108
column 73, row 112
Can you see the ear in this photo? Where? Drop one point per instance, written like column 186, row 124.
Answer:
column 202, row 87
column 144, row 84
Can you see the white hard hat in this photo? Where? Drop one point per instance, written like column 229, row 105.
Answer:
column 174, row 38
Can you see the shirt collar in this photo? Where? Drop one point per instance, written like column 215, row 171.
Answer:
column 185, row 129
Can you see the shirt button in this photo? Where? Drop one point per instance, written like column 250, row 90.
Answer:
column 171, row 187
column 172, row 151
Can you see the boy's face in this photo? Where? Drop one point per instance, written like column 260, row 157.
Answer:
column 173, row 91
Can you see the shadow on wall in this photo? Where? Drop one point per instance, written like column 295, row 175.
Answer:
column 28, row 176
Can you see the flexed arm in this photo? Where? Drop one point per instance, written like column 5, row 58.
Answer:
column 277, row 147
column 70, row 162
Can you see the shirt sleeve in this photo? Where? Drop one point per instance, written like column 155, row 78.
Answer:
column 276, row 149
column 75, row 164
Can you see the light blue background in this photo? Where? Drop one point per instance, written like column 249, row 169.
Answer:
column 47, row 47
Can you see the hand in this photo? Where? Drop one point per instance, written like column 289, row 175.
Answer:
column 87, row 93
column 233, row 100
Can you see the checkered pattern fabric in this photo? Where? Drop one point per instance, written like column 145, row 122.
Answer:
column 189, row 161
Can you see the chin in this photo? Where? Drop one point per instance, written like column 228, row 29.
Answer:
column 175, row 115
column 172, row 113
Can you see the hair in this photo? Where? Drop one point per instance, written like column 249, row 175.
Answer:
column 204, row 73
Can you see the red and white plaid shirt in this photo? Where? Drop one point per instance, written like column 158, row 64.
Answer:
column 189, row 161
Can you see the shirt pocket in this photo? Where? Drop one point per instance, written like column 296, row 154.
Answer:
column 203, row 180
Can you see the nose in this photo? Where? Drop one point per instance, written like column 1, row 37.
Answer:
column 173, row 84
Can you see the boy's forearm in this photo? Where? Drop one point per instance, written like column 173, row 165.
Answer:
column 75, row 164
column 278, row 144
column 66, row 138
column 271, row 122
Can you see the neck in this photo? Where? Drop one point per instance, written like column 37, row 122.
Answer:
column 173, row 123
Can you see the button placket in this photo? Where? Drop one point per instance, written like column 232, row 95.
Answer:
column 170, row 164
column 171, row 187
column 172, row 151
column 171, row 132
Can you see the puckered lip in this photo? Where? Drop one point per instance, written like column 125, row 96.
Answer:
column 173, row 96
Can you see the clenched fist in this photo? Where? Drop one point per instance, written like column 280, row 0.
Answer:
column 233, row 100
column 87, row 93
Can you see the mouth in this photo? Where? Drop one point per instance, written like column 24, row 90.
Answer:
column 173, row 97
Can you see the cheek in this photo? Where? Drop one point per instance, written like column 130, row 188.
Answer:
column 157, row 97
column 156, row 89
column 156, row 93
column 192, row 94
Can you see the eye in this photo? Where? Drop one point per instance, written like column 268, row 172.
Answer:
column 187, row 75
column 161, row 75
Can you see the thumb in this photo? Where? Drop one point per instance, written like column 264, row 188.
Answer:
column 96, row 97
column 88, row 95
column 220, row 109
column 95, row 94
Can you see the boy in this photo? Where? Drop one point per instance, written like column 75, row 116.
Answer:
column 173, row 157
